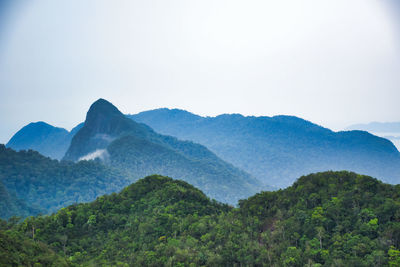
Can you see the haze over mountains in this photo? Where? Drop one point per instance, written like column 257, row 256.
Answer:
column 275, row 150
column 169, row 188
column 327, row 218
column 278, row 149
column 121, row 151
column 137, row 149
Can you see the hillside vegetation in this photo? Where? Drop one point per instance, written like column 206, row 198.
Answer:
column 324, row 219
column 48, row 185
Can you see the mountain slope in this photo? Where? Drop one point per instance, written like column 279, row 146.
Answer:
column 324, row 219
column 11, row 206
column 50, row 185
column 125, row 227
column 278, row 149
column 135, row 147
column 46, row 139
column 331, row 218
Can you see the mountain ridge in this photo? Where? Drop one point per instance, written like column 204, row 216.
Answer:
column 278, row 149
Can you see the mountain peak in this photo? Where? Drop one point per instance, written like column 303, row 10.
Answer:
column 104, row 123
column 104, row 107
column 40, row 136
column 103, row 115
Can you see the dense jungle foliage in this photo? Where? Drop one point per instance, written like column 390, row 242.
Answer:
column 324, row 219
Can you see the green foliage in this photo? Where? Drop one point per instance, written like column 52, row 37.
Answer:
column 18, row 250
column 153, row 221
column 334, row 218
column 324, row 219
column 394, row 256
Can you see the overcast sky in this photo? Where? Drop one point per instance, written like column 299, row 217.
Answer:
column 333, row 62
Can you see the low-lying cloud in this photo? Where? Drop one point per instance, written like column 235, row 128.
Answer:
column 101, row 154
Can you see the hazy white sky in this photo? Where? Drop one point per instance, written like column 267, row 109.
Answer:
column 334, row 62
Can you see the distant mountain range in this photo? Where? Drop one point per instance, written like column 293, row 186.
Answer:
column 275, row 150
column 48, row 140
column 118, row 141
column 278, row 149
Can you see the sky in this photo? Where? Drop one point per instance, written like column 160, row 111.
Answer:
column 335, row 63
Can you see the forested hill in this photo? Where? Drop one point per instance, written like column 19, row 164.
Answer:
column 331, row 218
column 48, row 140
column 48, row 185
column 324, row 219
column 278, row 149
column 155, row 213
column 134, row 147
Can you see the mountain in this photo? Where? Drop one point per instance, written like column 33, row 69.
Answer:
column 121, row 226
column 134, row 147
column 330, row 218
column 46, row 139
column 278, row 149
column 48, row 185
column 324, row 219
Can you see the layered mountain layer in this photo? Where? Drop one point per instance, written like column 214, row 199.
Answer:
column 277, row 150
column 120, row 142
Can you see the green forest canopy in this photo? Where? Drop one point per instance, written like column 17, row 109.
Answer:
column 330, row 218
